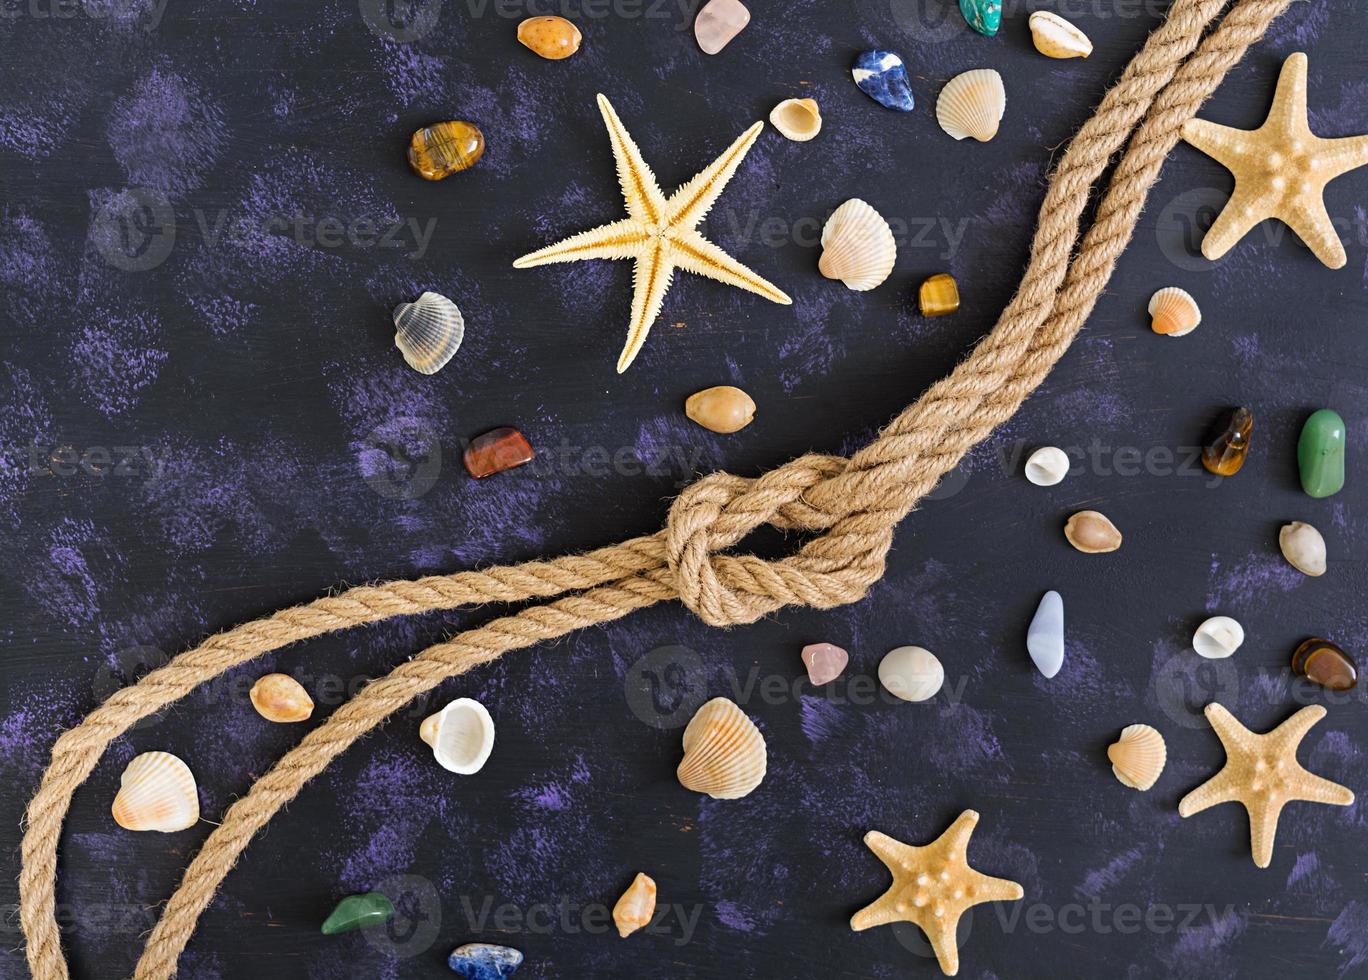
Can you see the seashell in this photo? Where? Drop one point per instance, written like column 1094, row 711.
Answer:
column 461, row 736
column 724, row 753
column 551, row 37
column 857, row 246
column 1045, row 635
column 911, row 673
column 1091, row 533
column 721, row 408
column 1138, row 756
column 430, row 331
column 1055, row 37
column 1047, row 466
column 436, row 152
column 1218, row 638
column 1174, row 312
column 281, row 698
column 1303, row 547
column 972, row 104
column 797, row 119
column 156, row 792
column 636, row 906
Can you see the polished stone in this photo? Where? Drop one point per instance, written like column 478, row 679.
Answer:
column 485, row 961
column 1225, row 453
column 445, row 148
column 497, row 450
column 882, row 76
column 824, row 662
column 1320, row 454
column 357, row 912
column 1321, row 661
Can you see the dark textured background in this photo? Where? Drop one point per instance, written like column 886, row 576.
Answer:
column 288, row 450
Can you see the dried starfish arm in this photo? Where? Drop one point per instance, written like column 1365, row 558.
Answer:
column 1224, row 787
column 1318, row 789
column 1289, row 734
column 1339, row 156
column 640, row 189
column 694, row 253
column 1263, row 829
column 650, row 281
column 691, row 203
column 990, row 889
column 618, row 240
column 945, row 943
column 1224, row 144
column 1289, row 98
column 1313, row 226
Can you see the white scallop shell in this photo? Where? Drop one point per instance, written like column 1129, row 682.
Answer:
column 461, row 736
column 1047, row 466
column 911, row 673
column 724, row 753
column 430, row 331
column 1303, row 547
column 156, row 792
column 797, row 119
column 1174, row 312
column 1218, row 638
column 1055, row 37
column 857, row 246
column 1138, row 756
column 972, row 104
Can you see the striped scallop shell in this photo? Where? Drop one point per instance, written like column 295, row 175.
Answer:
column 724, row 753
column 1174, row 312
column 972, row 104
column 156, row 792
column 857, row 246
column 430, row 331
column 1138, row 756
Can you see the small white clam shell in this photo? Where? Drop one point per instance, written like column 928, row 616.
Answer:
column 857, row 246
column 797, row 119
column 1303, row 547
column 1055, row 37
column 972, row 104
column 430, row 331
column 911, row 673
column 1218, row 637
column 461, row 736
column 156, row 792
column 1047, row 466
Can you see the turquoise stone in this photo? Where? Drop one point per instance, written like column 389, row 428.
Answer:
column 984, row 16
column 357, row 912
column 485, row 961
column 1320, row 454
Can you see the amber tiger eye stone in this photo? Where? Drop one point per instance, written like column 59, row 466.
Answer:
column 445, row 148
column 497, row 450
column 939, row 295
column 1319, row 660
column 1225, row 454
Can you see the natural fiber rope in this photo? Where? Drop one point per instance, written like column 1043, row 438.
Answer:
column 856, row 503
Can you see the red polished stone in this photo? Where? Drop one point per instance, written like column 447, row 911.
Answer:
column 497, row 450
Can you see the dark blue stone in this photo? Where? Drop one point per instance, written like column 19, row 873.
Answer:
column 882, row 76
column 484, row 961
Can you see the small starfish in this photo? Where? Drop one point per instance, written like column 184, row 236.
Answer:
column 1280, row 169
column 1262, row 774
column 660, row 235
column 932, row 887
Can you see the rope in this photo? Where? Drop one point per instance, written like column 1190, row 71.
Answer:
column 854, row 503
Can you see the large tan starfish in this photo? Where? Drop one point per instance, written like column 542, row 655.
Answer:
column 932, row 887
column 1280, row 169
column 660, row 235
column 1262, row 774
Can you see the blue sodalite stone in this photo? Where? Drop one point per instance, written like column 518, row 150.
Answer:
column 484, row 961
column 882, row 76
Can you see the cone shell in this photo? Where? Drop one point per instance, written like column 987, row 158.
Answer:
column 857, row 246
column 724, row 753
column 797, row 119
column 636, row 906
column 1174, row 312
column 972, row 104
column 430, row 332
column 461, row 736
column 1138, row 756
column 156, row 792
column 1055, row 37
column 281, row 698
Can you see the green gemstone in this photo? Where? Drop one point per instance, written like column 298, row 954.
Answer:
column 1320, row 454
column 984, row 16
column 357, row 912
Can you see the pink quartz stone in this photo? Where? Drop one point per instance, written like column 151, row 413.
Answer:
column 718, row 22
column 824, row 662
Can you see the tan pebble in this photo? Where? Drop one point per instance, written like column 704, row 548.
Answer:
column 721, row 409
column 281, row 698
column 1091, row 533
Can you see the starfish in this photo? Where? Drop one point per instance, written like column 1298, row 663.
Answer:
column 1262, row 773
column 1280, row 169
column 932, row 887
column 660, row 235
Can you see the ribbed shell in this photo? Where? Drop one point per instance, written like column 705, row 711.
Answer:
column 1174, row 312
column 156, row 792
column 857, row 246
column 797, row 119
column 972, row 104
column 724, row 753
column 430, row 331
column 461, row 736
column 1138, row 756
